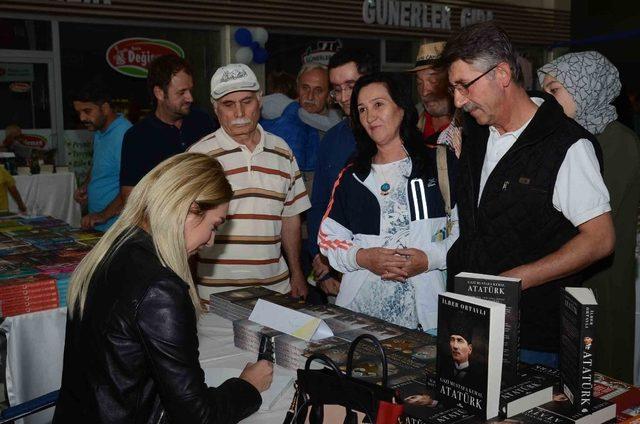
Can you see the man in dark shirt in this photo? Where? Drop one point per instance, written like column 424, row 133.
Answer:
column 171, row 129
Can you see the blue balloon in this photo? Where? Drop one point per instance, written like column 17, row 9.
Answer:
column 260, row 55
column 255, row 46
column 243, row 37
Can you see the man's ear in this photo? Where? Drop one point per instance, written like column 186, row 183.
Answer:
column 470, row 348
column 259, row 97
column 105, row 108
column 214, row 104
column 503, row 74
column 158, row 93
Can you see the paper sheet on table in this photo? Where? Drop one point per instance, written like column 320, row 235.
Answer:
column 289, row 321
column 213, row 377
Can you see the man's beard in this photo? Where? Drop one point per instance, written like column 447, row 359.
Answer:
column 437, row 107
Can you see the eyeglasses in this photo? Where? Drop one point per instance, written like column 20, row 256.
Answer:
column 464, row 88
column 336, row 93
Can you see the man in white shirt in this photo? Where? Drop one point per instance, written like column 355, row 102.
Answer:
column 532, row 202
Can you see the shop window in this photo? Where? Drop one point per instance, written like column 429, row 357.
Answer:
column 84, row 58
column 24, row 87
column 25, row 34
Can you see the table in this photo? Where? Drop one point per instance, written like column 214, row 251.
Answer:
column 49, row 194
column 35, row 344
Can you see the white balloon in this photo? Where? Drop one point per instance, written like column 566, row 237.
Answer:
column 244, row 55
column 260, row 35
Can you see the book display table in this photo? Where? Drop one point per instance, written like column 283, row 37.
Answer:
column 49, row 194
column 32, row 361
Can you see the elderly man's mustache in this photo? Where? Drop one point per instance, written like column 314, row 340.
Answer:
column 241, row 121
column 469, row 107
column 309, row 102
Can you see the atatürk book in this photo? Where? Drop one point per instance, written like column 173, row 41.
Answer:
column 504, row 290
column 469, row 353
column 578, row 345
column 531, row 389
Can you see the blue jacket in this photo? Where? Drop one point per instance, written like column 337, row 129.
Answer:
column 300, row 137
column 337, row 146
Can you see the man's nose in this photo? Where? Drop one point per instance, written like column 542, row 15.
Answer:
column 188, row 96
column 425, row 89
column 459, row 100
column 239, row 110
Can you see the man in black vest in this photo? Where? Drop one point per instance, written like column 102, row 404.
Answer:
column 531, row 199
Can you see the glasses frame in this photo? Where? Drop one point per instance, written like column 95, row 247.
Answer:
column 464, row 88
column 334, row 93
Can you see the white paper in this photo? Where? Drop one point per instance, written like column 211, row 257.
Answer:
column 289, row 321
column 213, row 377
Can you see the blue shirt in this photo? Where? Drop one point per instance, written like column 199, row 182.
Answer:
column 334, row 151
column 104, row 185
column 301, row 138
column 151, row 141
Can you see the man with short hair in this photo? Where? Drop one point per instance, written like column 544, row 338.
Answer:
column 170, row 129
column 459, row 367
column 102, row 187
column 302, row 124
column 269, row 195
column 531, row 199
column 337, row 146
column 436, row 105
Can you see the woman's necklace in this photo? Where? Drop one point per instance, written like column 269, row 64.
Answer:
column 385, row 187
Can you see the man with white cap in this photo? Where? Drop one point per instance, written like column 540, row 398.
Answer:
column 436, row 106
column 269, row 195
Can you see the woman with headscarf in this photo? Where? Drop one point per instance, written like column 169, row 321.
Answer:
column 585, row 84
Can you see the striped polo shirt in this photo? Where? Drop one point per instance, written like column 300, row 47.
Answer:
column 267, row 186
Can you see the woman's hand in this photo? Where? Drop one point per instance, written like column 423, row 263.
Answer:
column 259, row 374
column 417, row 261
column 383, row 262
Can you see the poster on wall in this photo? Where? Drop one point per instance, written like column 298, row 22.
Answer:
column 39, row 139
column 132, row 56
column 79, row 152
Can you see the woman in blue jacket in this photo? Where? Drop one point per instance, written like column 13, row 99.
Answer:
column 387, row 228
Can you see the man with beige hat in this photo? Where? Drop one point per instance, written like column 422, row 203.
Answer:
column 436, row 106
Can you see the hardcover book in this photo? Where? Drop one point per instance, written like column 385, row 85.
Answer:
column 504, row 290
column 577, row 346
column 469, row 353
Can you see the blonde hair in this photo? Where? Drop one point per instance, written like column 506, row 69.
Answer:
column 160, row 202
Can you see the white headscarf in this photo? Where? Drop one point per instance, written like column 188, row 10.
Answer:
column 592, row 81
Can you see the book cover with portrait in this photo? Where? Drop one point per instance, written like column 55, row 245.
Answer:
column 505, row 290
column 469, row 353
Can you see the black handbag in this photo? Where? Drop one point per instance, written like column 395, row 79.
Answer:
column 325, row 388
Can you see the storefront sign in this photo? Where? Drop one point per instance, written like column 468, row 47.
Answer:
column 322, row 52
column 12, row 72
column 132, row 56
column 108, row 2
column 418, row 14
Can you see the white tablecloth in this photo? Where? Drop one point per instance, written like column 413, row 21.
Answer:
column 35, row 344
column 49, row 194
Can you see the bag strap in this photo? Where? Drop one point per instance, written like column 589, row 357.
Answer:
column 383, row 356
column 443, row 177
column 321, row 357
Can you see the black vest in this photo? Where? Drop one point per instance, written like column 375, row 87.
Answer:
column 515, row 222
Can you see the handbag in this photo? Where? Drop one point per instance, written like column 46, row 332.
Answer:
column 328, row 395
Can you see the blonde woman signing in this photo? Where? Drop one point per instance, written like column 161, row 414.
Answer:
column 131, row 350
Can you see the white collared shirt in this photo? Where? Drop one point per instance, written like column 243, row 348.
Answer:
column 579, row 193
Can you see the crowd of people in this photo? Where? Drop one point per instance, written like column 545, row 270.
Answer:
column 377, row 202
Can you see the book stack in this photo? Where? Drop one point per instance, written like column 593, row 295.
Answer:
column 561, row 411
column 62, row 284
column 230, row 304
column 412, row 349
column 31, row 294
column 624, row 395
column 292, row 352
column 247, row 335
column 533, row 387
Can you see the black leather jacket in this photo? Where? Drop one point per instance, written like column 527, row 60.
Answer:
column 133, row 357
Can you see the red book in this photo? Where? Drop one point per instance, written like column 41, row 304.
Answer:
column 624, row 395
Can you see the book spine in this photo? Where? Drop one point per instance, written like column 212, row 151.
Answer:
column 587, row 351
